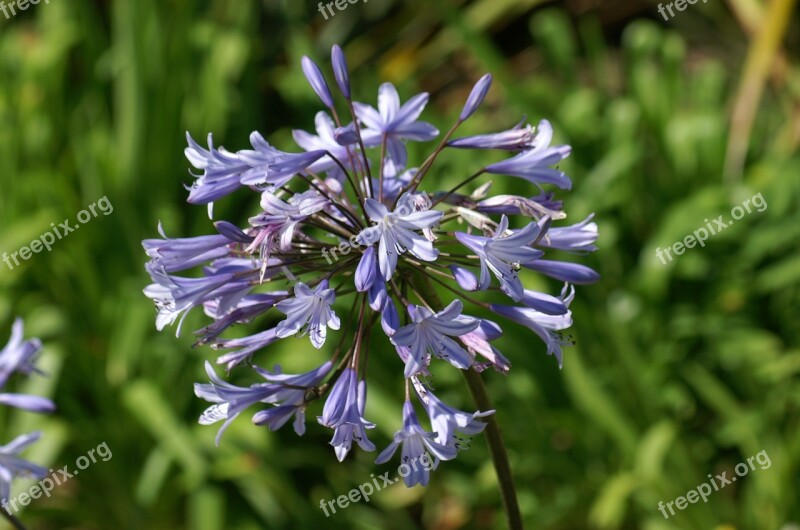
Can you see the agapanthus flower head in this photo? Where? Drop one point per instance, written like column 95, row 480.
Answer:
column 349, row 226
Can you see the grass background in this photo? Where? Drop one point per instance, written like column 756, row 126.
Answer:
column 679, row 370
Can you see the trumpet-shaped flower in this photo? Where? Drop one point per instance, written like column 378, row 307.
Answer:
column 415, row 442
column 502, row 254
column 308, row 312
column 396, row 123
column 446, row 421
column 395, row 232
column 429, row 333
column 229, row 401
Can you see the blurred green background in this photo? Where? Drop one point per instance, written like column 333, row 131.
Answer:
column 680, row 370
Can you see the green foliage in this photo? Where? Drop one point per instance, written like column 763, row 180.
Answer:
column 680, row 370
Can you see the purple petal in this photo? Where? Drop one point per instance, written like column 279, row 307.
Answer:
column 366, row 270
column 544, row 303
column 397, row 151
column 317, row 81
column 476, row 97
column 369, row 116
column 387, row 453
column 340, row 70
column 390, row 319
column 232, row 232
column 375, row 210
column 419, row 131
column 28, row 402
column 388, row 102
column 465, row 278
column 411, row 110
column 346, row 135
column 566, row 272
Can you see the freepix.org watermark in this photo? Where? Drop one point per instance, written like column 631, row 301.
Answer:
column 341, row 5
column 57, row 477
column 46, row 240
column 703, row 491
column 10, row 9
column 366, row 237
column 715, row 226
column 680, row 5
column 365, row 490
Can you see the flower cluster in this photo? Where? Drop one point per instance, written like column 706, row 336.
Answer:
column 18, row 357
column 348, row 216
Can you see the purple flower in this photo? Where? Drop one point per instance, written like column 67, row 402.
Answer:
column 396, row 123
column 231, row 400
column 317, row 81
column 175, row 296
column 277, row 223
column 225, row 172
column 325, row 140
column 535, row 207
column 446, row 420
column 544, row 303
column 579, row 237
column 394, row 180
column 12, row 466
column 221, row 171
column 308, row 312
column 246, row 308
column 476, row 97
column 563, row 271
column 532, row 163
column 466, row 280
column 291, row 398
column 17, row 357
column 368, row 278
column 180, row 254
column 340, row 71
column 547, row 327
column 518, row 138
column 27, row 402
column 347, row 135
column 429, row 333
column 395, row 235
column 244, row 348
column 276, row 417
column 342, row 391
column 478, row 342
column 416, row 442
column 351, row 220
column 348, row 411
column 276, row 170
column 503, row 254
column 18, row 354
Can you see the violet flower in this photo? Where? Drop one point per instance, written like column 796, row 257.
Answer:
column 348, row 225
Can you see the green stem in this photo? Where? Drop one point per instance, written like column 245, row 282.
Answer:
column 497, row 448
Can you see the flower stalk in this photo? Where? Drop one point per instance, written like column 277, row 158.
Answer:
column 494, row 439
